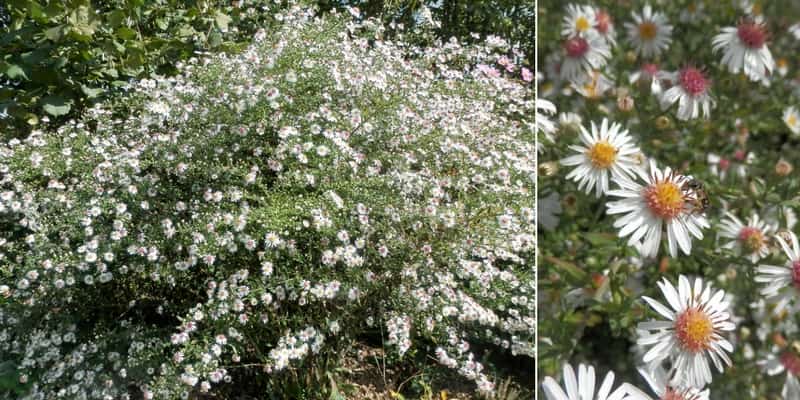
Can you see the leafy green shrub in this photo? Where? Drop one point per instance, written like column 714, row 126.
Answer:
column 59, row 56
column 239, row 222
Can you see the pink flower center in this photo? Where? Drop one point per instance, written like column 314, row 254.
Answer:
column 751, row 34
column 739, row 155
column 752, row 238
column 796, row 273
column 603, row 21
column 724, row 164
column 693, row 81
column 672, row 394
column 650, row 69
column 791, row 362
column 576, row 47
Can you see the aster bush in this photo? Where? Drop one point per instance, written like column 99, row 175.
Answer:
column 667, row 135
column 232, row 229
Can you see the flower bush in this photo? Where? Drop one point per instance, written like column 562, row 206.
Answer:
column 668, row 254
column 230, row 229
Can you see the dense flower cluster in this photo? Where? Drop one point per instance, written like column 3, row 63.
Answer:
column 668, row 200
column 250, row 213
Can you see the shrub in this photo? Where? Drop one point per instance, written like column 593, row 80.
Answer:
column 241, row 221
column 58, row 57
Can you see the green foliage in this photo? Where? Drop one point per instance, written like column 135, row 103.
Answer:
column 57, row 57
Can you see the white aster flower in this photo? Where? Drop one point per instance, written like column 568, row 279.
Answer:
column 692, row 91
column 582, row 386
column 782, row 282
column 745, row 49
column 792, row 119
column 747, row 239
column 592, row 85
column 650, row 34
column 664, row 202
column 605, row 26
column 786, row 362
column 545, row 109
column 692, row 333
column 583, row 54
column 665, row 388
column 647, row 75
column 607, row 150
column 578, row 21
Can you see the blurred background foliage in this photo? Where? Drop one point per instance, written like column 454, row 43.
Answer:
column 59, row 56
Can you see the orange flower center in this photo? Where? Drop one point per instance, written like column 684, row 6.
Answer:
column 602, row 154
column 648, row 30
column 664, row 199
column 672, row 394
column 752, row 239
column 694, row 330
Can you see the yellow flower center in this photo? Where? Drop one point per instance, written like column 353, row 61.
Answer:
column 664, row 199
column 791, row 120
column 602, row 154
column 648, row 30
column 582, row 24
column 694, row 330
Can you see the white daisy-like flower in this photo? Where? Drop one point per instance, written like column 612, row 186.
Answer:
column 782, row 282
column 650, row 34
column 692, row 333
column 582, row 54
column 647, row 75
column 693, row 12
column 792, row 119
column 607, row 150
column 795, row 30
column 782, row 66
column 692, row 91
column 605, row 26
column 786, row 362
column 749, row 239
column 745, row 49
column 578, row 21
column 665, row 388
column 545, row 109
column 592, row 85
column 582, row 386
column 666, row 201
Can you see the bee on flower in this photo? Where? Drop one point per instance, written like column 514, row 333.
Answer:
column 667, row 201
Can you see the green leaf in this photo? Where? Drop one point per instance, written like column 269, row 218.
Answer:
column 222, row 21
column 91, row 92
column 55, row 33
column 56, row 105
column 126, row 33
column 13, row 71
